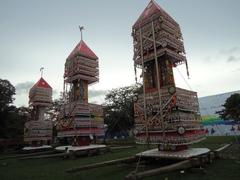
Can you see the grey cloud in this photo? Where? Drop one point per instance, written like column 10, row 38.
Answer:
column 24, row 87
column 208, row 59
column 230, row 51
column 233, row 59
column 96, row 93
column 234, row 49
column 231, row 54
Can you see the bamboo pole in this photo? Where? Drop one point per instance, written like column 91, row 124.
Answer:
column 144, row 92
column 158, row 81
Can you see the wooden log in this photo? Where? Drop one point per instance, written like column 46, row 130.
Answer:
column 219, row 150
column 27, row 155
column 153, row 172
column 46, row 156
column 101, row 164
column 223, row 148
column 121, row 147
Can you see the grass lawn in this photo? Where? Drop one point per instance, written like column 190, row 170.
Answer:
column 46, row 169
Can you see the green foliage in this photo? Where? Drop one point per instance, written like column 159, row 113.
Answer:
column 7, row 90
column 231, row 109
column 53, row 113
column 12, row 123
column 12, row 119
column 119, row 112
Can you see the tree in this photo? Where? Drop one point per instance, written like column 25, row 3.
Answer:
column 53, row 111
column 12, row 119
column 231, row 109
column 119, row 112
column 7, row 90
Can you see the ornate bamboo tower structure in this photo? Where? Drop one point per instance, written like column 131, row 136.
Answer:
column 164, row 114
column 80, row 123
column 38, row 131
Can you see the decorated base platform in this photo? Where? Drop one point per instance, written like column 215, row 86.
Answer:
column 80, row 148
column 183, row 154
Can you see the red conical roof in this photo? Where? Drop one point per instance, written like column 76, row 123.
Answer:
column 83, row 50
column 151, row 9
column 42, row 83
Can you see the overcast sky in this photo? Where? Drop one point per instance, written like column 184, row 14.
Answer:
column 36, row 34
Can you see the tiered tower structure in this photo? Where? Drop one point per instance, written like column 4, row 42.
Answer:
column 77, row 124
column 38, row 131
column 164, row 114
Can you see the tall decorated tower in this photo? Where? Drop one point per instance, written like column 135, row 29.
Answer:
column 80, row 122
column 164, row 114
column 38, row 131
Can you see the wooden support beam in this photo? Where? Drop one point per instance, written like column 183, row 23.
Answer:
column 101, row 164
column 153, row 172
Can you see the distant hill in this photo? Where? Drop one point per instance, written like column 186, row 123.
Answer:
column 210, row 104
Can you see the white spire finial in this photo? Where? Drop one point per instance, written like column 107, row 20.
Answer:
column 81, row 28
column 41, row 70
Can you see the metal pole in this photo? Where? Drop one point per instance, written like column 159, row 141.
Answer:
column 158, row 81
column 144, row 93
